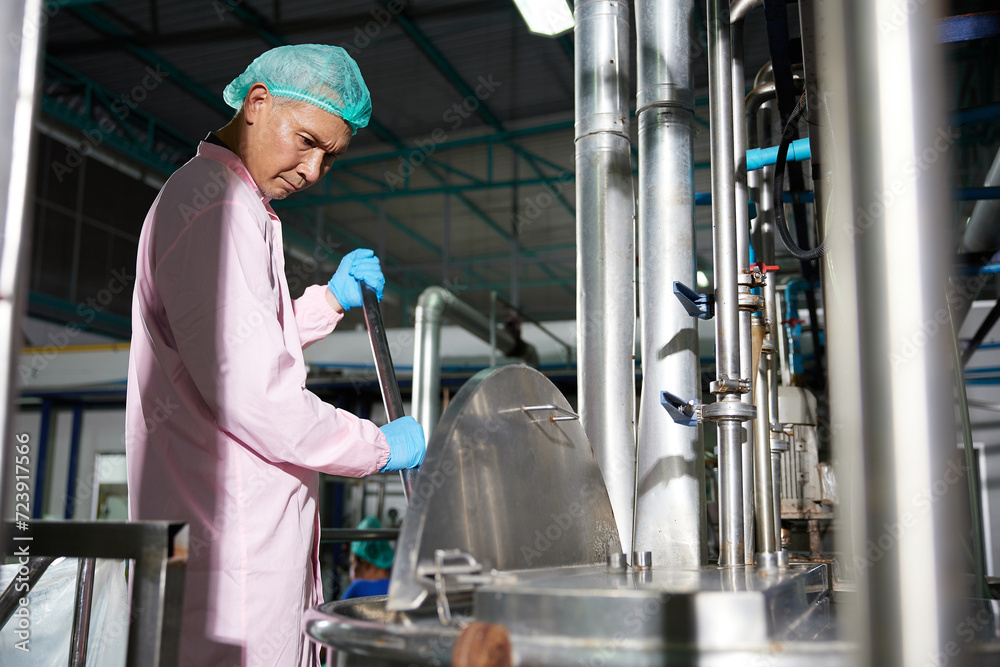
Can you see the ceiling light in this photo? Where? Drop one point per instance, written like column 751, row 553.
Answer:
column 546, row 17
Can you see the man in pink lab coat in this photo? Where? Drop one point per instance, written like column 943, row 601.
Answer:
column 221, row 431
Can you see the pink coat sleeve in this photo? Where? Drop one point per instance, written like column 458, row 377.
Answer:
column 315, row 317
column 224, row 308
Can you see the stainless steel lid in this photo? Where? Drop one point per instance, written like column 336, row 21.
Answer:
column 509, row 483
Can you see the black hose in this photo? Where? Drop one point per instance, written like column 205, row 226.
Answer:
column 779, row 188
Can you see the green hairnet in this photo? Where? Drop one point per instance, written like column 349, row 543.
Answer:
column 377, row 553
column 324, row 76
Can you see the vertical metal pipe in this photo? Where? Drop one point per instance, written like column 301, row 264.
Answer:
column 80, row 631
column 426, row 397
column 19, row 77
column 743, row 264
column 731, row 546
column 493, row 328
column 776, row 494
column 671, row 457
column 891, row 397
column 762, row 478
column 760, row 123
column 605, row 241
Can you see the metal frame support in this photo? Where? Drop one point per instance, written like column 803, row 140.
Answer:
column 159, row 549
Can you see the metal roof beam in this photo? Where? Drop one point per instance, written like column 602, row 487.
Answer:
column 460, row 143
column 462, row 86
column 457, row 189
column 175, row 74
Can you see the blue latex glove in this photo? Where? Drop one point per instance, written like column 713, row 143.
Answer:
column 406, row 444
column 357, row 265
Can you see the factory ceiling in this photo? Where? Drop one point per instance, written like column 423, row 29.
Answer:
column 463, row 178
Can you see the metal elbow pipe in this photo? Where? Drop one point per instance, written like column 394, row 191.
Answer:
column 433, row 305
column 740, row 8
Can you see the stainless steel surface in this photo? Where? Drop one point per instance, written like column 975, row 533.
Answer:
column 742, row 215
column 705, row 610
column 642, row 559
column 486, row 487
column 436, row 303
column 617, row 563
column 891, row 398
column 671, row 457
column 80, row 630
column 589, row 616
column 384, row 369
column 727, row 333
column 767, row 531
column 772, row 560
column 605, row 241
column 19, row 22
column 365, row 627
column 159, row 549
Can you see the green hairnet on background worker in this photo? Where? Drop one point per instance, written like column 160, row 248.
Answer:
column 371, row 561
column 239, row 457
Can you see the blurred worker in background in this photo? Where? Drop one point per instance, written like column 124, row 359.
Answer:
column 221, row 431
column 370, row 564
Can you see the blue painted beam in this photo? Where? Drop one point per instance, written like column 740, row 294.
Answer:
column 807, row 197
column 976, row 115
column 976, row 194
column 41, row 462
column 74, row 458
column 968, row 27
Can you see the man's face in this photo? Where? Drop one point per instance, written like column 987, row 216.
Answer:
column 291, row 145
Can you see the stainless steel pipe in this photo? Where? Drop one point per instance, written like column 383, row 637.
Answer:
column 671, row 457
column 759, row 111
column 891, row 397
column 742, row 212
column 436, row 303
column 763, row 480
column 776, row 486
column 605, row 241
column 727, row 386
